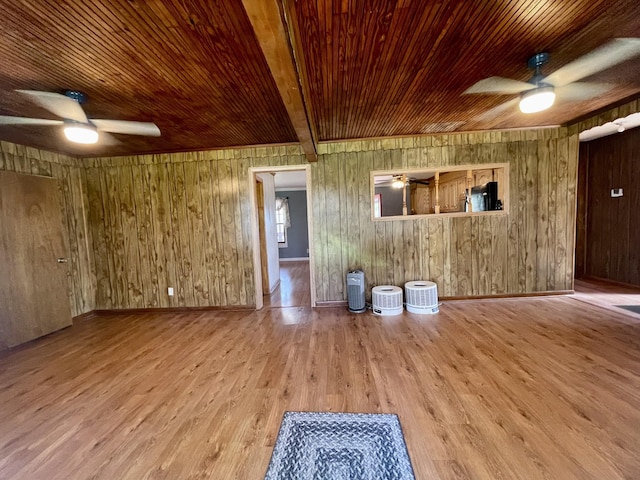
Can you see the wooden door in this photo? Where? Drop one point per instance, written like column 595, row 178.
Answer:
column 34, row 299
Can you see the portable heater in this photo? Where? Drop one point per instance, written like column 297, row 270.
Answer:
column 355, row 291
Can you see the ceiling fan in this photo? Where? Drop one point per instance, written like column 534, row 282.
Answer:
column 539, row 92
column 77, row 127
column 398, row 181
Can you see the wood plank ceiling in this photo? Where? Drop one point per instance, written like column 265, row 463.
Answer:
column 385, row 68
column 194, row 68
column 366, row 68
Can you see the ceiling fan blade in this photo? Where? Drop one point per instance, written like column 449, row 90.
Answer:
column 582, row 91
column 616, row 51
column 499, row 85
column 6, row 120
column 130, row 128
column 57, row 104
column 495, row 111
column 107, row 139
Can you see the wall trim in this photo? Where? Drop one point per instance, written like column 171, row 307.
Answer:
column 84, row 316
column 294, row 259
column 546, row 293
column 290, row 189
column 611, row 282
column 118, row 311
column 332, row 303
column 257, row 275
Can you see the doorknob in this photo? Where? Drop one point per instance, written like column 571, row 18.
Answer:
column 62, row 260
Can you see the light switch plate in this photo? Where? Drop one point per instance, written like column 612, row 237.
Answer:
column 616, row 192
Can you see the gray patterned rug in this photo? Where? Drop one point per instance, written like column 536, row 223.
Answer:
column 631, row 308
column 340, row 446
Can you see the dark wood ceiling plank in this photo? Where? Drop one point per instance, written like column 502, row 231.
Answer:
column 194, row 68
column 265, row 16
column 367, row 69
column 401, row 75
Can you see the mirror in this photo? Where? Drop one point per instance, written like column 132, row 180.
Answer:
column 451, row 190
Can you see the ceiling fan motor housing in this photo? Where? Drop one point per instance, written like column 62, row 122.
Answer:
column 537, row 61
column 79, row 97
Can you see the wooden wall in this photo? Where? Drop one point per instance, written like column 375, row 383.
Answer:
column 612, row 228
column 182, row 220
column 176, row 220
column 71, row 176
column 527, row 249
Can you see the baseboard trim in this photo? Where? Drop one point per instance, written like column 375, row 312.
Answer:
column 547, row 293
column 295, row 259
column 118, row 311
column 319, row 304
column 344, row 303
column 610, row 282
column 84, row 316
column 332, row 303
column 274, row 288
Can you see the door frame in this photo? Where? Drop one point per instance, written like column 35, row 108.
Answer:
column 255, row 232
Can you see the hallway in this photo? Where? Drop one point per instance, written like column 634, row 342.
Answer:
column 294, row 289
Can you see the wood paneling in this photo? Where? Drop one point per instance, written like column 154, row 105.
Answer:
column 470, row 256
column 527, row 249
column 74, row 197
column 194, row 68
column 196, row 235
column 612, row 229
column 399, row 68
column 539, row 388
column 33, row 287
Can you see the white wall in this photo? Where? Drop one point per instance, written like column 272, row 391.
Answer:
column 273, row 255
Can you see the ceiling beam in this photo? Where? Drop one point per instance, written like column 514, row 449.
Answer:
column 271, row 33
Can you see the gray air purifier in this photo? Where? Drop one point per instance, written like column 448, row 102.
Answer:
column 355, row 291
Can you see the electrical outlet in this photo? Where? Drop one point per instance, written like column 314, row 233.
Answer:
column 170, row 291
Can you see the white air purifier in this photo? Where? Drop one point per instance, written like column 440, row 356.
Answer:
column 386, row 300
column 422, row 297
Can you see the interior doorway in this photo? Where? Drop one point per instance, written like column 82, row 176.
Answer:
column 294, row 285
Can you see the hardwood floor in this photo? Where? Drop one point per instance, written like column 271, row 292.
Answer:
column 528, row 388
column 607, row 295
column 294, row 289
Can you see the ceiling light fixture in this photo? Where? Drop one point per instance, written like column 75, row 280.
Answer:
column 537, row 99
column 398, row 182
column 80, row 133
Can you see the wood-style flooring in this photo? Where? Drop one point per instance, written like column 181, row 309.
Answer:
column 527, row 388
column 608, row 295
column 294, row 289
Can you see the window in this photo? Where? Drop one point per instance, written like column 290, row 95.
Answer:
column 455, row 190
column 282, row 220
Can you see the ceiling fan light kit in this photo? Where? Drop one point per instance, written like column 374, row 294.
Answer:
column 76, row 126
column 537, row 100
column 398, row 182
column 540, row 91
column 79, row 133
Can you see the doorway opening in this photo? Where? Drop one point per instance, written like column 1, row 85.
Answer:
column 606, row 271
column 282, row 235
